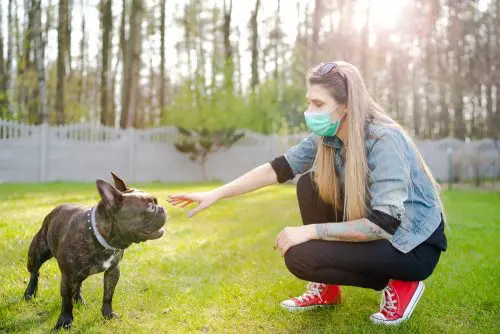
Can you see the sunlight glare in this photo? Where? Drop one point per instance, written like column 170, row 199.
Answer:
column 383, row 13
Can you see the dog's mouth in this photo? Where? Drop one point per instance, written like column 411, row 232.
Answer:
column 158, row 234
column 155, row 229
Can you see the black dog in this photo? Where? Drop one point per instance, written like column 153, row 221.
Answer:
column 89, row 241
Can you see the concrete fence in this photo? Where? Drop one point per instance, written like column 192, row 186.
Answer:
column 84, row 152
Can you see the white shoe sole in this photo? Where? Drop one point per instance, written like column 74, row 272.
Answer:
column 409, row 309
column 303, row 308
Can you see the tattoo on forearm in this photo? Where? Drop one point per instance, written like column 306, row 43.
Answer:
column 356, row 230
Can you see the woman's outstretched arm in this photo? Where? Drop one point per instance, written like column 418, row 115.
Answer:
column 259, row 177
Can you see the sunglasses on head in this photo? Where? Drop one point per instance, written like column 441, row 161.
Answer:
column 327, row 67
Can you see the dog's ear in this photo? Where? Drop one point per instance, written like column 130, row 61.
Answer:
column 109, row 194
column 119, row 183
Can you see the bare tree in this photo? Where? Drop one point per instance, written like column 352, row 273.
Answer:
column 131, row 67
column 162, row 55
column 62, row 31
column 4, row 74
column 40, row 63
column 228, row 49
column 106, row 27
column 254, row 46
column 316, row 26
column 83, row 48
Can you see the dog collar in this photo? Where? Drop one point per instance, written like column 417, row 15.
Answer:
column 93, row 226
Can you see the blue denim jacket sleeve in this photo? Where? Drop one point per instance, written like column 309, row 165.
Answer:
column 389, row 173
column 301, row 156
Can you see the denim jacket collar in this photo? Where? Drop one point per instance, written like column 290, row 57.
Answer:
column 333, row 141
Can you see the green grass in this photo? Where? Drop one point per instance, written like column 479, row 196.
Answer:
column 217, row 272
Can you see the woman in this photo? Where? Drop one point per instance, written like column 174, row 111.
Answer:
column 370, row 206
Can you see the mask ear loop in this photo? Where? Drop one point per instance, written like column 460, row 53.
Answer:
column 341, row 117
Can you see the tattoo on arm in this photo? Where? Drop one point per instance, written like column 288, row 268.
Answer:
column 355, row 231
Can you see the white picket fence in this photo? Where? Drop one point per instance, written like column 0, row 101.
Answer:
column 84, row 152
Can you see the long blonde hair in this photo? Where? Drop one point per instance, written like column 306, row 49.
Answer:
column 347, row 87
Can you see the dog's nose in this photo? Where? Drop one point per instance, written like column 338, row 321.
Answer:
column 161, row 209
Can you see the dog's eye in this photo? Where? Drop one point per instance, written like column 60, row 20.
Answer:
column 151, row 206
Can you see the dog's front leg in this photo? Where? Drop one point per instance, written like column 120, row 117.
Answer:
column 66, row 317
column 111, row 277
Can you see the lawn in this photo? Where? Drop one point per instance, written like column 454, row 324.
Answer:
column 217, row 272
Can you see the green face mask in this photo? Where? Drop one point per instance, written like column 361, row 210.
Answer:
column 321, row 123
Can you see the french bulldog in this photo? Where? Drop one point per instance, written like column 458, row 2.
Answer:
column 89, row 241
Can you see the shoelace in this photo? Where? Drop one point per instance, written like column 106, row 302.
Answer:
column 388, row 303
column 313, row 289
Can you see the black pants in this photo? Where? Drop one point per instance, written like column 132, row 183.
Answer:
column 364, row 264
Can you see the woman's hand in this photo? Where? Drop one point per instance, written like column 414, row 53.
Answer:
column 204, row 200
column 291, row 236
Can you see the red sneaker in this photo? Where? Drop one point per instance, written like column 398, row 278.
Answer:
column 399, row 299
column 317, row 295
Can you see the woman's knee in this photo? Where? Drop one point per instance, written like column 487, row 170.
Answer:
column 429, row 267
column 421, row 270
column 297, row 262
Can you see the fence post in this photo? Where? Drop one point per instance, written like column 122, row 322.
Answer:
column 131, row 154
column 44, row 136
column 450, row 168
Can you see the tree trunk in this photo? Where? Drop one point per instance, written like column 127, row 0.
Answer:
column 495, row 128
column 455, row 36
column 106, row 26
column 277, row 43
column 40, row 63
column 62, row 30
column 28, row 37
column 49, row 18
column 125, row 72
column 200, row 80
column 130, row 91
column 20, row 65
column 83, row 45
column 428, row 133
column 444, row 114
column 10, row 50
column 254, row 46
column 162, row 57
column 396, row 86
column 150, row 116
column 26, row 66
column 365, row 35
column 188, row 46
column 228, row 49
column 495, row 131
column 458, row 102
column 4, row 104
column 307, row 47
column 239, row 88
column 316, row 25
column 215, row 49
column 69, row 4
column 415, row 103
column 474, row 133
column 489, row 82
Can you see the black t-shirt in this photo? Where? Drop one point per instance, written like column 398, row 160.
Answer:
column 438, row 238
column 385, row 221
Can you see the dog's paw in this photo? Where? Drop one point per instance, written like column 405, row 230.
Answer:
column 107, row 312
column 110, row 316
column 64, row 321
column 30, row 293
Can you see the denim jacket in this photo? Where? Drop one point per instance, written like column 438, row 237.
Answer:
column 397, row 185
